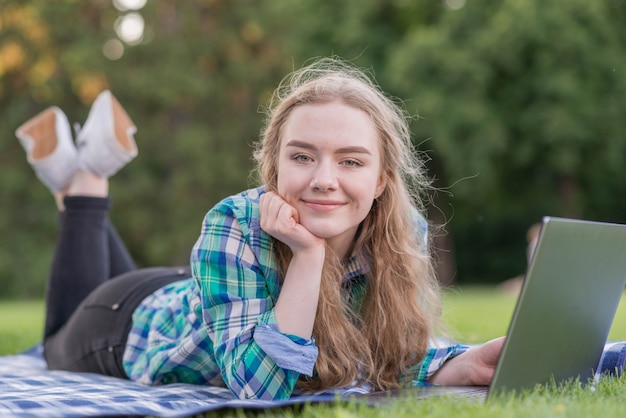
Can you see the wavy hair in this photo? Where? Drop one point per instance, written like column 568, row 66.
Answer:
column 401, row 305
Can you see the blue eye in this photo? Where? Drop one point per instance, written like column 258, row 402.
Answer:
column 301, row 158
column 351, row 163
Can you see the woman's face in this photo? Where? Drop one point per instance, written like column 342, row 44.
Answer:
column 329, row 169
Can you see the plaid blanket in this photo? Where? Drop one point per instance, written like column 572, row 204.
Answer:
column 613, row 359
column 29, row 389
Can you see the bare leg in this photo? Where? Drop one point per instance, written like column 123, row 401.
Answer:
column 87, row 184
column 83, row 184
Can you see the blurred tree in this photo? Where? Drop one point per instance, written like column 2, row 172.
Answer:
column 523, row 102
column 197, row 75
column 194, row 82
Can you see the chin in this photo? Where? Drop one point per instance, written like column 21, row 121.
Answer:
column 322, row 231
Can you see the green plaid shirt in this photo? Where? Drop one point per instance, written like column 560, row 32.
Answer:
column 219, row 328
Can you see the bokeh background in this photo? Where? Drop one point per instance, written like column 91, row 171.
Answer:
column 519, row 109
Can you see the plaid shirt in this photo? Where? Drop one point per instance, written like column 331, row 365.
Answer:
column 219, row 328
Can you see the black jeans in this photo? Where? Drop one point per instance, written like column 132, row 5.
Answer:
column 93, row 290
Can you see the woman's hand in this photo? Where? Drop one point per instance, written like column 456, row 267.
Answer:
column 280, row 220
column 475, row 367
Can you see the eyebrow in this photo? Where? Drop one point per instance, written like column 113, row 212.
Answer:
column 345, row 150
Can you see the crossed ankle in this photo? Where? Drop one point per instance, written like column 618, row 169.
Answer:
column 85, row 183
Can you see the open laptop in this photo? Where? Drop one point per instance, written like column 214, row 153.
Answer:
column 564, row 312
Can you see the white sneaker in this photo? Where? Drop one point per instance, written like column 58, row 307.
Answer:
column 105, row 143
column 47, row 139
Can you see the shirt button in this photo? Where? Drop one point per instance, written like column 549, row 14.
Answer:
column 115, row 306
column 180, row 272
column 110, row 349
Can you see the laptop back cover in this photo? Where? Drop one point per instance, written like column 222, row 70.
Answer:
column 573, row 286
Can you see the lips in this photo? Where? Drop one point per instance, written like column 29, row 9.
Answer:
column 323, row 205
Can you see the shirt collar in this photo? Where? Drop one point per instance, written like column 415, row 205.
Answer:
column 358, row 265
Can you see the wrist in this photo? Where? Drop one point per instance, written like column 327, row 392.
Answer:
column 455, row 372
column 309, row 256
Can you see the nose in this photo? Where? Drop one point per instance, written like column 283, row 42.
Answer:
column 324, row 178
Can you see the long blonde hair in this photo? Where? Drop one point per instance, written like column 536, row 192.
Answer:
column 401, row 306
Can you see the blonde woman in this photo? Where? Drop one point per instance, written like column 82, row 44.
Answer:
column 318, row 279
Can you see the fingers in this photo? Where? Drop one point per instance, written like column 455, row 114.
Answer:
column 276, row 213
column 493, row 349
column 281, row 221
column 279, row 218
column 486, row 362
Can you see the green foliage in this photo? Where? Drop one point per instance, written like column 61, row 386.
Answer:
column 523, row 103
column 520, row 99
column 193, row 88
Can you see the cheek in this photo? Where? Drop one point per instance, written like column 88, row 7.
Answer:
column 374, row 188
column 287, row 186
column 364, row 196
column 282, row 183
column 281, row 177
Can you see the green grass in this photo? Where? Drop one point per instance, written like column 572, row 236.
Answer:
column 471, row 314
column 478, row 314
column 21, row 325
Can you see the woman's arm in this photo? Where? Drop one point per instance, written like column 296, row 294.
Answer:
column 297, row 303
column 233, row 265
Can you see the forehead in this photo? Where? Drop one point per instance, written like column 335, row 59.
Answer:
column 331, row 123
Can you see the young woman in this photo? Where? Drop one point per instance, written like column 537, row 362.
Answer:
column 318, row 279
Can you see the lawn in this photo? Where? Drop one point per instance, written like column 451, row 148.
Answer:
column 471, row 315
column 21, row 325
column 477, row 314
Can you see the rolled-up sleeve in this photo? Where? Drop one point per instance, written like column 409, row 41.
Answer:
column 288, row 351
column 434, row 359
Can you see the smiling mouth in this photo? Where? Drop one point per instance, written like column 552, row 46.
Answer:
column 322, row 206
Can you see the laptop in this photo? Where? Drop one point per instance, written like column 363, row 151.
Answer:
column 564, row 312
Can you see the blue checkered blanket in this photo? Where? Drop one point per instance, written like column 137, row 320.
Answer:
column 29, row 389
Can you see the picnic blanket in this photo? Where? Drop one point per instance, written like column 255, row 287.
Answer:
column 29, row 389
